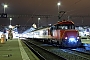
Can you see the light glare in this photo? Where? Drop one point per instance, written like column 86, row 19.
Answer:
column 10, row 26
column 10, row 18
column 38, row 18
column 72, row 40
column 65, row 37
column 5, row 6
column 58, row 3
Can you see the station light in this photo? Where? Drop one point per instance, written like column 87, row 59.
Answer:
column 10, row 26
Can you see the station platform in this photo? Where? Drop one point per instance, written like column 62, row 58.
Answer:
column 16, row 50
column 85, row 40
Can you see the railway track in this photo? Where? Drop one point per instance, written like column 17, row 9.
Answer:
column 65, row 53
column 42, row 53
column 82, row 50
column 80, row 55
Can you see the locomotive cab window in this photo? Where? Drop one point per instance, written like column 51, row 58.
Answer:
column 65, row 26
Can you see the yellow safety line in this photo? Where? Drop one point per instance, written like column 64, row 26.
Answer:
column 23, row 53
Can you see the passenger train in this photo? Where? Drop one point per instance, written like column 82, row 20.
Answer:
column 62, row 33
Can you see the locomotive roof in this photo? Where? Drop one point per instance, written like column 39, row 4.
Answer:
column 64, row 22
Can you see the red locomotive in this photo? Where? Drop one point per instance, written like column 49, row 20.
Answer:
column 65, row 34
column 62, row 33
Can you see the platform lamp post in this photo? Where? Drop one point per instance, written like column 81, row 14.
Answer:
column 58, row 6
column 5, row 6
column 10, row 26
column 10, row 20
column 38, row 22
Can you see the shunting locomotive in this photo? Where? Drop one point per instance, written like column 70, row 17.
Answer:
column 65, row 34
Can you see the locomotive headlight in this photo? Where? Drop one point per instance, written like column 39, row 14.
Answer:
column 77, row 37
column 72, row 40
column 65, row 37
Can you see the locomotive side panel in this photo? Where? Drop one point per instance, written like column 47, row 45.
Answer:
column 58, row 34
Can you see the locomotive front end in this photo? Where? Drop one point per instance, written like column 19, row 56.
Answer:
column 71, row 38
column 65, row 34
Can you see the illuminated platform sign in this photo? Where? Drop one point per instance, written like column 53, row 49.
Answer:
column 3, row 15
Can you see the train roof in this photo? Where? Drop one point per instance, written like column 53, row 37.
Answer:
column 64, row 22
column 45, row 27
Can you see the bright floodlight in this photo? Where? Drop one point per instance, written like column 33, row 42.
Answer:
column 5, row 6
column 38, row 18
column 10, row 26
column 10, row 18
column 58, row 3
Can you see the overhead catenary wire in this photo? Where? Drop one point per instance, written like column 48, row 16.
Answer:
column 73, row 8
column 32, row 14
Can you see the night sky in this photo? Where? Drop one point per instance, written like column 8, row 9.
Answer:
column 45, row 7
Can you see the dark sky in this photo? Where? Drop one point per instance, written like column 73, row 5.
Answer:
column 46, row 7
